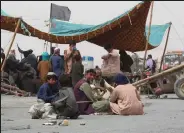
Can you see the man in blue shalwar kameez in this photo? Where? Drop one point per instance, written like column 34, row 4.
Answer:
column 49, row 91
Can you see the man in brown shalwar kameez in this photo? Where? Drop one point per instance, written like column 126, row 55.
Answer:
column 44, row 67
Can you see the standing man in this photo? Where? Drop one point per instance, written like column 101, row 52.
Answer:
column 69, row 56
column 57, row 63
column 151, row 64
column 126, row 61
column 77, row 70
column 44, row 66
column 111, row 63
column 30, row 58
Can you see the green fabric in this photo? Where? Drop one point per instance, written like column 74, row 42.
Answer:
column 101, row 106
column 86, row 88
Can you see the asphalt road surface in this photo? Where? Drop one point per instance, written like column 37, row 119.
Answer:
column 161, row 116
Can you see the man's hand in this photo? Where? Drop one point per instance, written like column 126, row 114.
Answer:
column 105, row 57
column 110, row 89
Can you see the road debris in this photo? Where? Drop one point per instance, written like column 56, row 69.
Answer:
column 82, row 123
column 65, row 122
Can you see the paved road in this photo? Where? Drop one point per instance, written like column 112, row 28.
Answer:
column 162, row 116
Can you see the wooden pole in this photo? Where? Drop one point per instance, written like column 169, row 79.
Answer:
column 165, row 48
column 16, row 29
column 149, row 31
column 50, row 26
column 156, row 76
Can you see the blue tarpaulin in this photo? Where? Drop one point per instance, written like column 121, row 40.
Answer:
column 157, row 33
column 63, row 28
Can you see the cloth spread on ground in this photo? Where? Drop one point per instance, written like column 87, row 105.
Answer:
column 42, row 110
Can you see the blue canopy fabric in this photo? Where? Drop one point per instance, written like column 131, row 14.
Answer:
column 64, row 28
column 157, row 33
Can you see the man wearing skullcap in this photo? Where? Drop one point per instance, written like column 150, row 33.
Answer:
column 124, row 99
column 57, row 62
column 49, row 91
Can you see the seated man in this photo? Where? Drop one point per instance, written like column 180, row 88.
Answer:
column 125, row 99
column 87, row 103
column 54, row 101
column 70, row 107
column 100, row 86
column 49, row 91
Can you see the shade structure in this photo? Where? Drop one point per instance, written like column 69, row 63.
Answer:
column 125, row 32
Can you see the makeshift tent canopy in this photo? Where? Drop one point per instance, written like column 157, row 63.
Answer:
column 62, row 28
column 125, row 32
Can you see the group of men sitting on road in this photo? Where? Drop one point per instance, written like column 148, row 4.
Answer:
column 92, row 94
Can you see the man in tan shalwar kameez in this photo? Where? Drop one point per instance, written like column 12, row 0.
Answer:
column 124, row 99
column 69, row 56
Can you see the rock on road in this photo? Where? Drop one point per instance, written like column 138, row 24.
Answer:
column 161, row 116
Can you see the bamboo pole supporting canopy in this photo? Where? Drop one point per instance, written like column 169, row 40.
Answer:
column 16, row 30
column 149, row 31
column 165, row 48
column 156, row 76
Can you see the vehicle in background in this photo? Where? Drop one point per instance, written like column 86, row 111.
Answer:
column 173, row 58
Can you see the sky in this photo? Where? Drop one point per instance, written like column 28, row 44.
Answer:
column 36, row 13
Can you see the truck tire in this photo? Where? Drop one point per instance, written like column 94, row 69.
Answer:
column 179, row 88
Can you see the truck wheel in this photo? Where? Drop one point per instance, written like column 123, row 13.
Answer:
column 179, row 88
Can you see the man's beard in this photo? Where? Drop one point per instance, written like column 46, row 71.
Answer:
column 89, row 81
